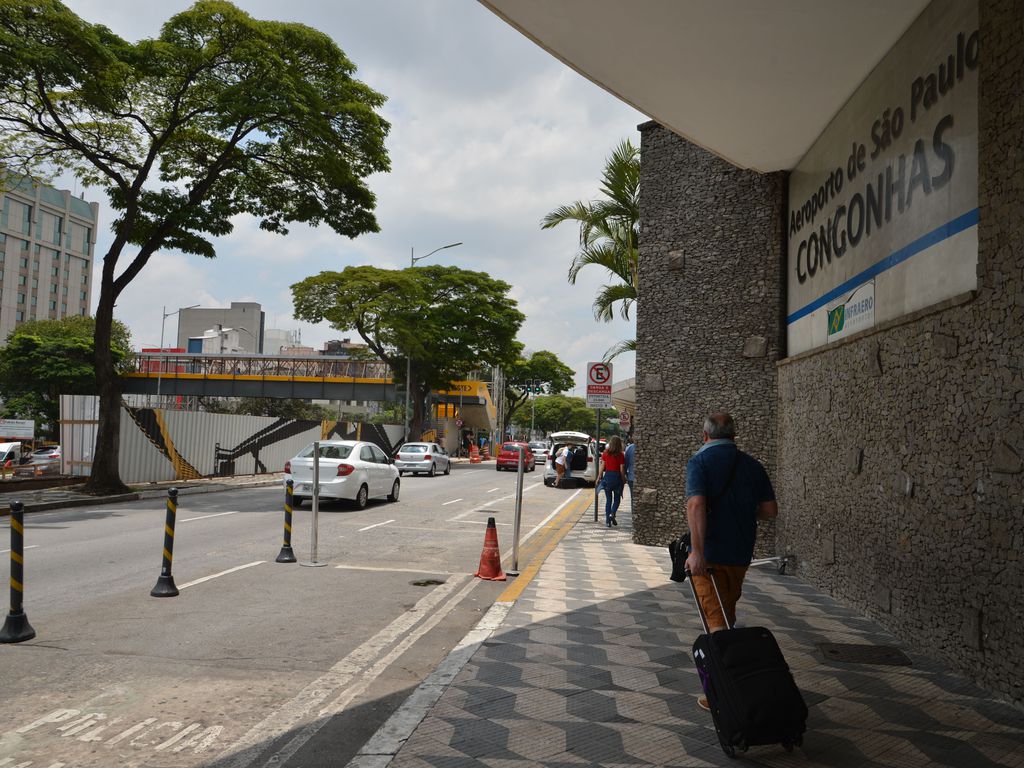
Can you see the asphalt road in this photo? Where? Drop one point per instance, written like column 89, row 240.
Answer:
column 255, row 663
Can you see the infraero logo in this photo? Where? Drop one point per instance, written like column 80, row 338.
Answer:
column 853, row 313
column 836, row 319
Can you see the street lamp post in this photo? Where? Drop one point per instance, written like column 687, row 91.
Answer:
column 413, row 258
column 160, row 368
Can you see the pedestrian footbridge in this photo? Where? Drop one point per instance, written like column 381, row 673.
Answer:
column 305, row 378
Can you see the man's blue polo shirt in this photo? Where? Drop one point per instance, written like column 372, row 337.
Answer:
column 732, row 516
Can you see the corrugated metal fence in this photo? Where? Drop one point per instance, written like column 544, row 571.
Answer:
column 159, row 444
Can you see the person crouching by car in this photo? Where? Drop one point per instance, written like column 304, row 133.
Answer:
column 563, row 466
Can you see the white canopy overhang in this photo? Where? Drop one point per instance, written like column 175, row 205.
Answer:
column 754, row 81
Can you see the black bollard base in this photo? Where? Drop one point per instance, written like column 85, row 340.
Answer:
column 164, row 587
column 16, row 629
column 286, row 555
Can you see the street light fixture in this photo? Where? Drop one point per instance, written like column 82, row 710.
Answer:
column 163, row 323
column 413, row 258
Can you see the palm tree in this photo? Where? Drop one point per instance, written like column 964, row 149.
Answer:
column 609, row 235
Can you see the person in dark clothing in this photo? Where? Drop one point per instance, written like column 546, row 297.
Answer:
column 727, row 492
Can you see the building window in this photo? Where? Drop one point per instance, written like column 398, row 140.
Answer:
column 54, row 271
column 63, row 309
column 21, row 298
column 19, row 316
column 53, row 305
column 85, row 279
column 64, row 291
column 34, row 302
column 23, row 263
column 66, row 275
column 56, row 256
column 53, row 289
column 21, row 279
column 35, row 282
column 83, row 311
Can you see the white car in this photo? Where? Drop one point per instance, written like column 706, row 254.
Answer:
column 540, row 451
column 585, row 458
column 349, row 470
column 426, row 458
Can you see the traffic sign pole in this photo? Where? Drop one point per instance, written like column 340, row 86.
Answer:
column 597, row 466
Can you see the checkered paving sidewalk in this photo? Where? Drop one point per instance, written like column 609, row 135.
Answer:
column 592, row 668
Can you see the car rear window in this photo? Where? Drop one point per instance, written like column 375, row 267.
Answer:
column 328, row 452
column 537, row 446
column 414, row 449
column 510, row 447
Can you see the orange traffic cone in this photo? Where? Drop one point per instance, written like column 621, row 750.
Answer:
column 490, row 559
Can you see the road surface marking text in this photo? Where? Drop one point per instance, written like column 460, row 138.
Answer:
column 89, row 727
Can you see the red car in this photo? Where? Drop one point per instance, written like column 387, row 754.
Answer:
column 508, row 457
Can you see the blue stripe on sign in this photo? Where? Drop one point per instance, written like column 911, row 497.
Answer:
column 947, row 230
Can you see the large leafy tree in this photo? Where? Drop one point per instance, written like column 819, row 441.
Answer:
column 557, row 413
column 543, row 368
column 609, row 236
column 445, row 321
column 44, row 359
column 220, row 115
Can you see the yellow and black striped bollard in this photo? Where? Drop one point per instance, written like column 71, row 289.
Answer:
column 16, row 627
column 286, row 555
column 165, row 584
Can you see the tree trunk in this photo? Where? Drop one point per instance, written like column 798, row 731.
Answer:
column 419, row 396
column 105, row 477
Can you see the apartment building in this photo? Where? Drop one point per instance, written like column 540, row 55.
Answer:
column 47, row 243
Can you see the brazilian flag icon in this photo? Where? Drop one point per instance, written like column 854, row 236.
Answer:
column 836, row 319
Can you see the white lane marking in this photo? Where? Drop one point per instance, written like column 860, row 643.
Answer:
column 477, row 522
column 428, row 530
column 204, row 517
column 450, row 502
column 30, row 546
column 493, row 490
column 222, row 573
column 379, row 750
column 375, row 525
column 482, row 507
column 391, row 570
column 339, row 705
column 292, row 714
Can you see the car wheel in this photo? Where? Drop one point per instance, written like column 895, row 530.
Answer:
column 497, row 469
column 401, row 473
column 297, row 501
column 393, row 496
column 448, row 468
column 433, row 470
column 362, row 497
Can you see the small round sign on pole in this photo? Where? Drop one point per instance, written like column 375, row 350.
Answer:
column 625, row 419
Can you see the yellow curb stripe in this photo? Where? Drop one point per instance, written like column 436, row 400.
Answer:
column 557, row 529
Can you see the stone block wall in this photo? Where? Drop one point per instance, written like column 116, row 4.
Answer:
column 708, row 325
column 901, row 450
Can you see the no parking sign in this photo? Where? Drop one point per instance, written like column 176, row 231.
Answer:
column 599, row 385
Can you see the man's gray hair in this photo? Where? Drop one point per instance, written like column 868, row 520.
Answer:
column 719, row 426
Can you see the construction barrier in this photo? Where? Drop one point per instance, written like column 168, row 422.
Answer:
column 16, row 628
column 165, row 586
column 474, row 455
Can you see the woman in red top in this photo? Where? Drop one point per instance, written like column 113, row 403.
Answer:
column 610, row 478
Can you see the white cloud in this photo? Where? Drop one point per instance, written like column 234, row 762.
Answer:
column 489, row 133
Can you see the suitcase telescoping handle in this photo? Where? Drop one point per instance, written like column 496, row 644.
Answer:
column 700, row 609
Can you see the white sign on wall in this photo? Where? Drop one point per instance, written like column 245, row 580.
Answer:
column 18, row 429
column 888, row 194
column 599, row 385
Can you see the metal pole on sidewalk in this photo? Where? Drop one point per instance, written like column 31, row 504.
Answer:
column 16, row 628
column 518, row 517
column 597, row 457
column 313, row 562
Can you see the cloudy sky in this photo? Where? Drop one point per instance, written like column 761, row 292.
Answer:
column 489, row 133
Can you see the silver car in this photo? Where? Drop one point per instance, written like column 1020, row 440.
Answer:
column 540, row 451
column 349, row 470
column 423, row 458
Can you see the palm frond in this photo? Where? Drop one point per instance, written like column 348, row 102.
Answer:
column 627, row 345
column 608, row 296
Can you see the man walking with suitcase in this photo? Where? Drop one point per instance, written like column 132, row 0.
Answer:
column 727, row 493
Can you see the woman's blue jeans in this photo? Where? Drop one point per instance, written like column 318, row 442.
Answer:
column 611, row 482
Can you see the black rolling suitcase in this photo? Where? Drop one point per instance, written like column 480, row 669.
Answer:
column 753, row 697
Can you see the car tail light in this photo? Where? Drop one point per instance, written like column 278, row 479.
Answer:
column 287, row 467
column 590, row 459
column 345, row 469
column 426, row 457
